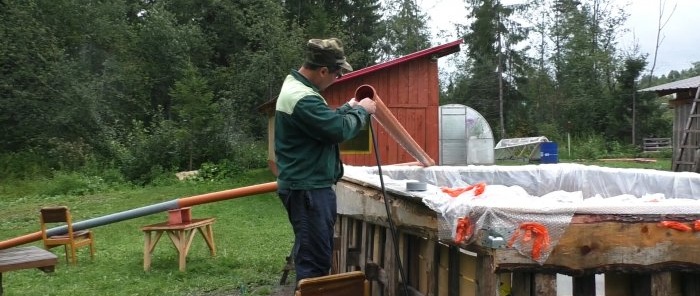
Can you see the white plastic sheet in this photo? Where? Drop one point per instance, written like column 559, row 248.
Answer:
column 546, row 194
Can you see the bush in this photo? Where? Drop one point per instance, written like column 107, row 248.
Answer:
column 72, row 183
column 591, row 148
column 251, row 155
column 617, row 150
column 24, row 165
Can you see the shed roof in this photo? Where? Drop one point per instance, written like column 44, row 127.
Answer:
column 434, row 52
column 676, row 86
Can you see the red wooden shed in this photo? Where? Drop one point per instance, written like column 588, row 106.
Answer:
column 409, row 87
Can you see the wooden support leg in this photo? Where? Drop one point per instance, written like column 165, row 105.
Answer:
column 147, row 251
column 208, row 236
column 148, row 246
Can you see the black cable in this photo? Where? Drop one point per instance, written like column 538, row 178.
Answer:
column 392, row 227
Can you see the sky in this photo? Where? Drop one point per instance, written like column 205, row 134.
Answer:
column 680, row 45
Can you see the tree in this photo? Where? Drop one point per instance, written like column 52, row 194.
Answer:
column 197, row 117
column 406, row 29
column 496, row 66
column 362, row 22
column 585, row 61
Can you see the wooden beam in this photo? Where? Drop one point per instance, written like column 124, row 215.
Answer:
column 598, row 247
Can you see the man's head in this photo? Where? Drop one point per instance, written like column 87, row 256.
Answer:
column 325, row 62
column 327, row 53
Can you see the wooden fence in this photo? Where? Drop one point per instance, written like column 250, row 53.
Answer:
column 657, row 144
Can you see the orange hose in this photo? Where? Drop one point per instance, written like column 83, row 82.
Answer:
column 393, row 127
column 20, row 240
column 227, row 194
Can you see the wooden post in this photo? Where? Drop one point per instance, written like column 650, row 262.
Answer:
column 546, row 284
column 661, row 284
column 486, row 280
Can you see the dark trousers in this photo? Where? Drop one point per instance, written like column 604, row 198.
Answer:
column 312, row 214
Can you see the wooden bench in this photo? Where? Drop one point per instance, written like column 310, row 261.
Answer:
column 26, row 257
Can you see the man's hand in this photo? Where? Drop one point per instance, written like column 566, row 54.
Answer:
column 352, row 102
column 369, row 105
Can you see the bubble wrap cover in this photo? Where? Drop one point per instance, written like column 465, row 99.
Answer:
column 546, row 195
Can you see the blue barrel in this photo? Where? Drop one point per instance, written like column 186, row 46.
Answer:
column 548, row 152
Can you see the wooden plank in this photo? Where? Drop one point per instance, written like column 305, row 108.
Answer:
column 343, row 262
column 453, row 271
column 487, row 281
column 411, row 217
column 468, row 273
column 26, row 257
column 427, row 272
column 390, row 265
column 442, row 271
column 599, row 247
column 545, row 284
column 522, row 284
column 661, row 284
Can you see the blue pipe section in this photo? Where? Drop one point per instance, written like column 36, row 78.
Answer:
column 116, row 217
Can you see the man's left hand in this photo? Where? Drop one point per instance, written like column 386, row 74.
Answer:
column 352, row 102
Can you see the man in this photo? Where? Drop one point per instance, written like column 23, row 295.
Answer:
column 307, row 134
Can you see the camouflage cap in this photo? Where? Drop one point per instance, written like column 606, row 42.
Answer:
column 327, row 53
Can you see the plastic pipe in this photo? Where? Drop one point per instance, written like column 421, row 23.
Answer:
column 392, row 125
column 227, row 194
column 147, row 210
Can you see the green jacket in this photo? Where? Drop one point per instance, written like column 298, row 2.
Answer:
column 307, row 134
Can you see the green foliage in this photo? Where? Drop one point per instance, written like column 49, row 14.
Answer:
column 589, row 147
column 74, row 183
column 551, row 131
column 615, row 149
column 148, row 152
column 23, row 164
column 245, row 157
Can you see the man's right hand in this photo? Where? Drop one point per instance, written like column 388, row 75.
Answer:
column 369, row 105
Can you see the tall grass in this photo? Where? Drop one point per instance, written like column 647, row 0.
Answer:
column 252, row 237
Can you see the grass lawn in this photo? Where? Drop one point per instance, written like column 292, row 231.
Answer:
column 252, row 236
